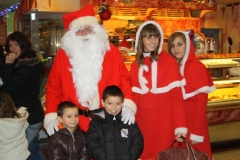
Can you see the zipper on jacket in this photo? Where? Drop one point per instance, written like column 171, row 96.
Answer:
column 74, row 147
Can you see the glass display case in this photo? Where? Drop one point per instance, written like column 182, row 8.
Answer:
column 223, row 110
column 45, row 30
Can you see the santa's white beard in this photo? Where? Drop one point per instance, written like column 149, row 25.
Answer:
column 86, row 54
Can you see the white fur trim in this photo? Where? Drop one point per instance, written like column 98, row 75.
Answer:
column 197, row 138
column 123, row 48
column 168, row 87
column 205, row 89
column 95, row 102
column 180, row 130
column 129, row 103
column 186, row 52
column 49, row 117
column 142, row 80
column 88, row 20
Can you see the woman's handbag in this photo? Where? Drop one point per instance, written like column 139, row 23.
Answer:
column 182, row 153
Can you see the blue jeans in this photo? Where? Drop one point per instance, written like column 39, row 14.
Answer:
column 33, row 146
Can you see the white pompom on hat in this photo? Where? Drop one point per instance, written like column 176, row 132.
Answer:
column 84, row 16
column 124, row 45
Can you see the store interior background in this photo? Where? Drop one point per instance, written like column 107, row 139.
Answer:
column 225, row 15
column 228, row 20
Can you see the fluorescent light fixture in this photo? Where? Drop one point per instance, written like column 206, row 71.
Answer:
column 33, row 16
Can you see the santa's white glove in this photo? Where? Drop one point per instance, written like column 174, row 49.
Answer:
column 127, row 115
column 51, row 126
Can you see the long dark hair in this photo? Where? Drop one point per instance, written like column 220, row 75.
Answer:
column 24, row 43
column 148, row 30
column 7, row 106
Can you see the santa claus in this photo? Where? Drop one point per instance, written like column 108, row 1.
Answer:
column 82, row 68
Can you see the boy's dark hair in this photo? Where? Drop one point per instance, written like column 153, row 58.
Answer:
column 7, row 106
column 64, row 105
column 112, row 91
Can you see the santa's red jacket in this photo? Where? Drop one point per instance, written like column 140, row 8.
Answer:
column 60, row 85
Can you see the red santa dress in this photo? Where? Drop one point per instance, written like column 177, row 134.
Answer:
column 158, row 96
column 60, row 86
column 195, row 93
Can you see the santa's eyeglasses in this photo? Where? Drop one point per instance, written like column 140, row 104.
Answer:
column 84, row 30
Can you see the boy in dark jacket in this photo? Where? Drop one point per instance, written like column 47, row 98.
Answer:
column 69, row 142
column 110, row 138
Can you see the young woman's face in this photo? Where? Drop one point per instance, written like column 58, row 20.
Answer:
column 69, row 118
column 178, row 48
column 14, row 48
column 112, row 104
column 150, row 43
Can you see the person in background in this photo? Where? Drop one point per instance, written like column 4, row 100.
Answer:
column 21, row 79
column 2, row 50
column 13, row 122
column 124, row 48
column 82, row 68
column 195, row 92
column 110, row 138
column 157, row 92
column 70, row 141
column 2, row 56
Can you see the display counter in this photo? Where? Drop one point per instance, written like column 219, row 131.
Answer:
column 223, row 110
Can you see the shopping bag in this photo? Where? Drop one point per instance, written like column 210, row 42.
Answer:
column 182, row 153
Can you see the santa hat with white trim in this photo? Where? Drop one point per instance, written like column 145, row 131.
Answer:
column 124, row 45
column 84, row 16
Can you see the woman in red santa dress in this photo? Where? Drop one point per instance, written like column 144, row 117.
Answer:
column 195, row 92
column 157, row 92
column 83, row 67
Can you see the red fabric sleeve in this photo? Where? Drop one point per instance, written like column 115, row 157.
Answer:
column 179, row 115
column 53, row 87
column 200, row 117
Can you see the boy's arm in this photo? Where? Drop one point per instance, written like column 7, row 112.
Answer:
column 94, row 148
column 137, row 143
column 54, row 150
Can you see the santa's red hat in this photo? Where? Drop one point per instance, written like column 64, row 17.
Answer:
column 84, row 16
column 124, row 45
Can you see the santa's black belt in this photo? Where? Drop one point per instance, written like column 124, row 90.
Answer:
column 88, row 113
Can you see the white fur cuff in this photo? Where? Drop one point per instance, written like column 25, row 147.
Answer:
column 197, row 138
column 82, row 21
column 180, row 130
column 129, row 103
column 49, row 117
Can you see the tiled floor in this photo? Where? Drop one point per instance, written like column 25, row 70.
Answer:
column 227, row 155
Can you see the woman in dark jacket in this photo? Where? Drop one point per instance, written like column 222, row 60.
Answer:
column 21, row 79
column 110, row 138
